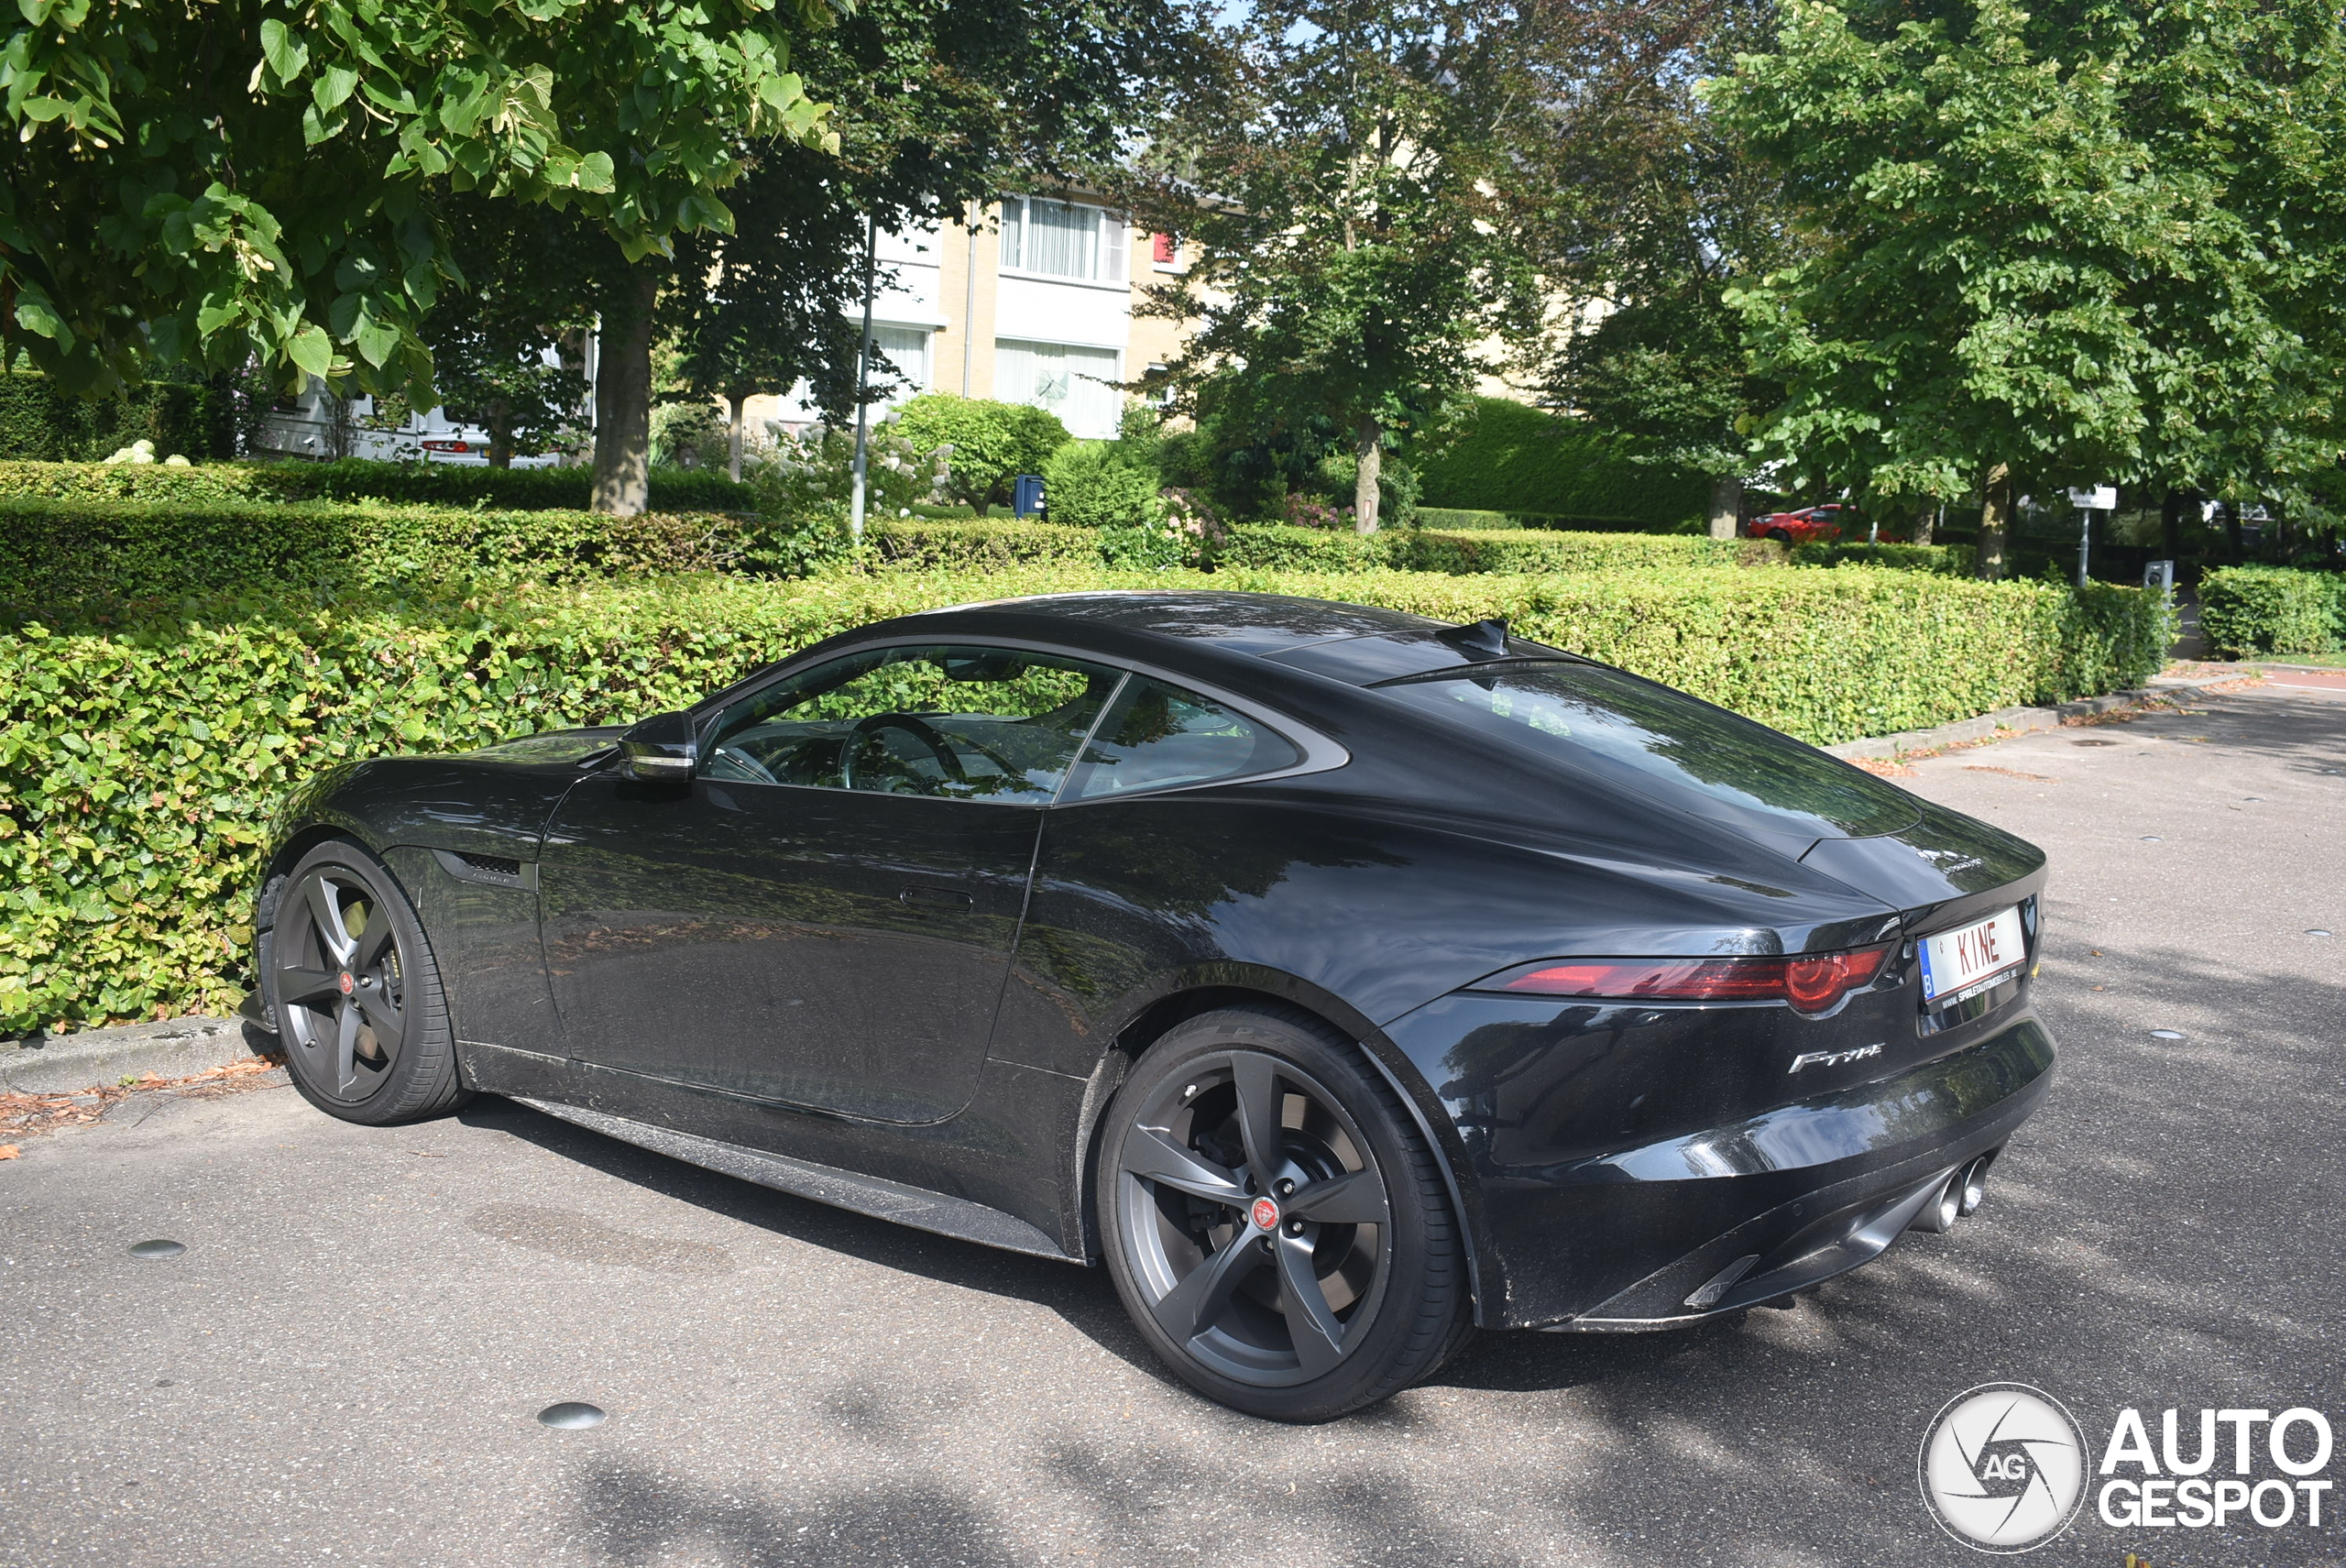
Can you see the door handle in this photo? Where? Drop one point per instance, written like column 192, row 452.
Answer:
column 937, row 898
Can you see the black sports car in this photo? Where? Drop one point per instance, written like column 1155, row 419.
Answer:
column 1341, row 979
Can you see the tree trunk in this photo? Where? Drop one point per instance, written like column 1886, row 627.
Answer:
column 734, row 435
column 1726, row 505
column 2171, row 522
column 1368, row 448
column 623, row 401
column 1926, row 518
column 1995, row 520
column 2232, row 533
column 501, row 434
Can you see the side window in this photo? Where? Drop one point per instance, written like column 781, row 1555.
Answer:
column 1158, row 736
column 959, row 723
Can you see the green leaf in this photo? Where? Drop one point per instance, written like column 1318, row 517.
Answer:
column 311, row 349
column 333, row 88
column 285, row 54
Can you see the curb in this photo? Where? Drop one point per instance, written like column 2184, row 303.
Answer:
column 2010, row 721
column 171, row 1047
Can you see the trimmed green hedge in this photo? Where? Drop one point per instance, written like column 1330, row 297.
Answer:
column 2248, row 610
column 1956, row 560
column 1278, row 546
column 143, row 750
column 41, row 423
column 988, row 545
column 51, row 552
column 1512, row 458
column 353, row 478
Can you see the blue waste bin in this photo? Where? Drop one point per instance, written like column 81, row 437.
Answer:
column 1027, row 495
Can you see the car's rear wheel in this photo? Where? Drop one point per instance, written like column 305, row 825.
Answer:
column 351, row 983
column 1277, row 1227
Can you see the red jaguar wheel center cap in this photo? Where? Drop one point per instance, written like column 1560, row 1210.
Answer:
column 1266, row 1214
column 347, row 984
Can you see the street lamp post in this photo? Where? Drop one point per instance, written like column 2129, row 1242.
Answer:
column 863, row 385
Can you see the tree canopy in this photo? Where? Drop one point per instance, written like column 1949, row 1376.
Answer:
column 2078, row 242
column 208, row 184
column 1336, row 170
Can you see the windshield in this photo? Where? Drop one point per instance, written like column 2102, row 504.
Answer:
column 1660, row 742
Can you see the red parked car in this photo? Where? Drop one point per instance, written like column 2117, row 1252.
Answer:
column 1810, row 525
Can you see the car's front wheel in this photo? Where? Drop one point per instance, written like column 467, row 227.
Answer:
column 1277, row 1227
column 350, row 980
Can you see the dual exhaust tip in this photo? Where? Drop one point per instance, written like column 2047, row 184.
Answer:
column 1957, row 1198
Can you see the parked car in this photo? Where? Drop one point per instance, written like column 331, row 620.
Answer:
column 1339, row 980
column 1810, row 525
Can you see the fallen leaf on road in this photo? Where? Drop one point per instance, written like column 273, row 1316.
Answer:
column 9, row 1151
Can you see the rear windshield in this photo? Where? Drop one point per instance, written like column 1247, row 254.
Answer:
column 1645, row 736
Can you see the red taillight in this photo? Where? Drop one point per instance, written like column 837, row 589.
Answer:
column 1811, row 983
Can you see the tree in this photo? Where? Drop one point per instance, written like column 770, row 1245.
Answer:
column 935, row 103
column 490, row 344
column 252, row 180
column 772, row 308
column 1336, row 168
column 1645, row 212
column 2092, row 241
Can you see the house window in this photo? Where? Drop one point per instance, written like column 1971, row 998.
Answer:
column 1062, row 240
column 1164, row 248
column 1075, row 383
column 906, row 348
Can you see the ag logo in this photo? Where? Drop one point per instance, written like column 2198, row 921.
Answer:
column 2003, row 1468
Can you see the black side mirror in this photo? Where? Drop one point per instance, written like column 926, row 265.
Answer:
column 660, row 749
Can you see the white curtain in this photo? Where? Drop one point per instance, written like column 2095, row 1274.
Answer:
column 906, row 348
column 1074, row 383
column 1060, row 239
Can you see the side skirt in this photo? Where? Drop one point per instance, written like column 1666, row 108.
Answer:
column 825, row 1184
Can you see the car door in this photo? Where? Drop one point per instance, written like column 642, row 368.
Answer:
column 824, row 916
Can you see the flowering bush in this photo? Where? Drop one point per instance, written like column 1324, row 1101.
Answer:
column 810, row 473
column 1303, row 512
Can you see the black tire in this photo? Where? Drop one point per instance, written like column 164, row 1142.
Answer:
column 1372, row 1249
column 350, row 982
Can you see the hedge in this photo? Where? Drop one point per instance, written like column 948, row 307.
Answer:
column 1477, row 520
column 354, row 479
column 141, row 751
column 2248, row 610
column 51, row 552
column 41, row 422
column 1512, row 458
column 1956, row 560
column 1277, row 546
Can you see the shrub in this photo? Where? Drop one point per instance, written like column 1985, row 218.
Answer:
column 1096, row 483
column 811, row 474
column 1953, row 559
column 356, row 478
column 2248, row 610
column 51, row 552
column 1459, row 553
column 993, row 443
column 38, row 421
column 1515, row 458
column 985, row 544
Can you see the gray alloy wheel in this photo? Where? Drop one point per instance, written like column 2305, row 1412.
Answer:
column 350, row 980
column 1275, row 1224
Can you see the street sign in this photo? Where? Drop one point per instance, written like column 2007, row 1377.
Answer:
column 2099, row 497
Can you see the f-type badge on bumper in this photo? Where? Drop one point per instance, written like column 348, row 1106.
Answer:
column 1835, row 1058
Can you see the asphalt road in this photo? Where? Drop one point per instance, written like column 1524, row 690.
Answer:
column 345, row 1364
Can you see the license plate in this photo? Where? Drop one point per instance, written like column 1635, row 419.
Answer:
column 1956, row 964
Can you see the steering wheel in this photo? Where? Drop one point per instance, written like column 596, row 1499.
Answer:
column 919, row 729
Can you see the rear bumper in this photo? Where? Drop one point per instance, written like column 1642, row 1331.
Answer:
column 1619, row 1239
